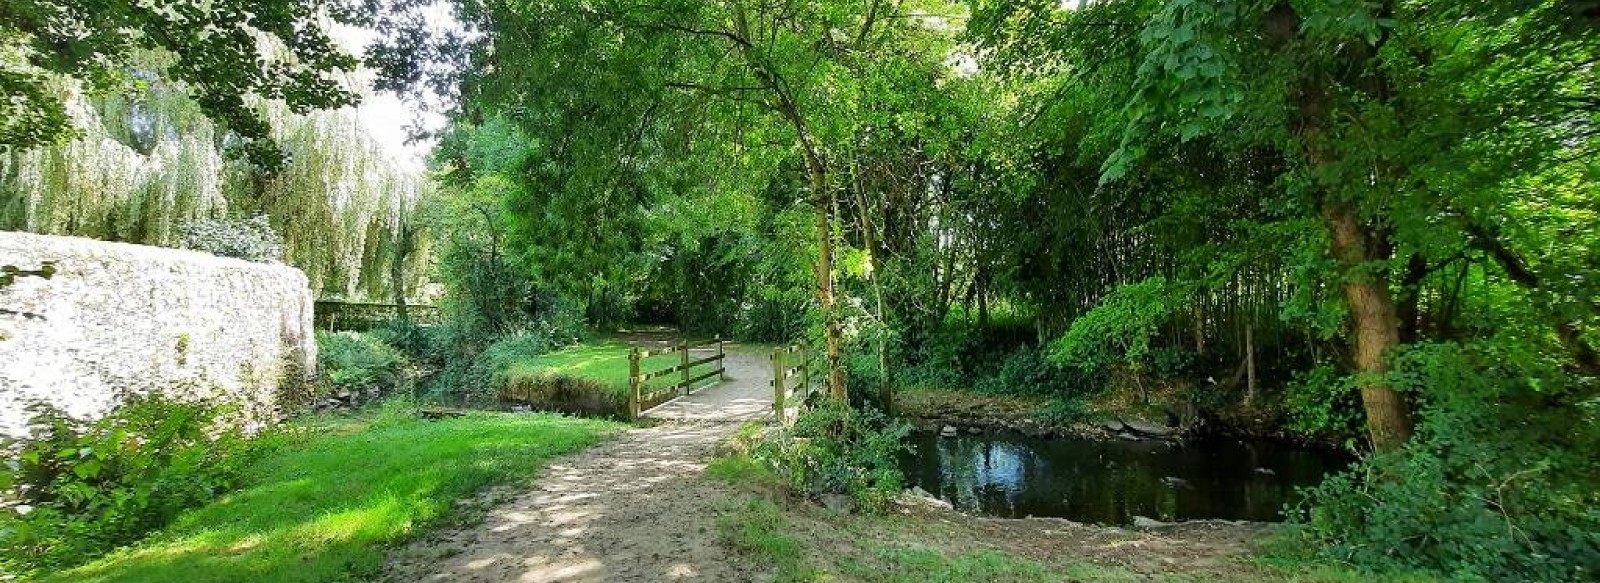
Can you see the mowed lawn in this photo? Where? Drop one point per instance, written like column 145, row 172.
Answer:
column 324, row 506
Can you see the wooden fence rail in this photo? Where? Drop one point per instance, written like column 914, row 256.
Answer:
column 790, row 362
column 361, row 316
column 638, row 377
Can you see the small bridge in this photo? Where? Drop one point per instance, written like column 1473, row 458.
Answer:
column 741, row 389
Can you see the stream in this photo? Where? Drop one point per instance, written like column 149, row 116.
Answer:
column 1011, row 475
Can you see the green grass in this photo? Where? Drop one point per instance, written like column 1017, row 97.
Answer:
column 324, row 506
column 759, row 528
column 605, row 362
column 891, row 564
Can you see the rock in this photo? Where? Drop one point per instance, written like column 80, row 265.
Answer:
column 917, row 496
column 1175, row 482
column 1128, row 436
column 947, row 431
column 1112, row 425
column 1148, row 523
column 1266, row 472
column 838, row 503
column 1150, row 429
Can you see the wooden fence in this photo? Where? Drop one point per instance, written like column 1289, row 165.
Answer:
column 336, row 316
column 638, row 397
column 790, row 362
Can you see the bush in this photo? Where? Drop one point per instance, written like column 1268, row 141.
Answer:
column 354, row 363
column 75, row 489
column 834, row 449
column 1118, row 330
column 1499, row 483
column 251, row 239
column 1026, row 371
column 427, row 345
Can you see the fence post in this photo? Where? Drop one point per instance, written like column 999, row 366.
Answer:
column 684, row 364
column 633, row 382
column 722, row 360
column 805, row 372
column 777, row 384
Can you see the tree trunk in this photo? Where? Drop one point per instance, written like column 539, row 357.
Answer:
column 397, row 271
column 1249, row 365
column 1377, row 328
column 822, row 203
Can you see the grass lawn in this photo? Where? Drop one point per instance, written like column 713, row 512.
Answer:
column 605, row 362
column 325, row 505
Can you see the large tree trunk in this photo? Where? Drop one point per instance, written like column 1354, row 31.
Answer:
column 1377, row 327
column 822, row 202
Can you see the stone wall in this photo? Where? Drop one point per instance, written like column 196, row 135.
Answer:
column 116, row 317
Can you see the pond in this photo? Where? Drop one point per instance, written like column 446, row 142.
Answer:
column 1011, row 475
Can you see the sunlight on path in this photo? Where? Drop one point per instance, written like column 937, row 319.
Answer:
column 745, row 396
column 635, row 509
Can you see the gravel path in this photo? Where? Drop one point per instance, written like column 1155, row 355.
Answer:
column 637, row 508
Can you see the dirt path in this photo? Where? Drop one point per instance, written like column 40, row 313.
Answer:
column 637, row 508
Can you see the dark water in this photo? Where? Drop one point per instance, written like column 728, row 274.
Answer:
column 1109, row 482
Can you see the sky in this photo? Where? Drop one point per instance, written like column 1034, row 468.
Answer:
column 385, row 116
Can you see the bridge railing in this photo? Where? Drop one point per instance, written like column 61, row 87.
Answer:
column 791, row 376
column 641, row 398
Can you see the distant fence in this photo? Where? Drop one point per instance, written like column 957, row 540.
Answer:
column 337, row 316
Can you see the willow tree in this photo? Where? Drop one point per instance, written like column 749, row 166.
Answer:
column 146, row 161
column 216, row 54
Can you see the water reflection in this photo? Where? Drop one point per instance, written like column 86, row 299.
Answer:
column 1109, row 482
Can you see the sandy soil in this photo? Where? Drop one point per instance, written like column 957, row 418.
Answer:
column 637, row 508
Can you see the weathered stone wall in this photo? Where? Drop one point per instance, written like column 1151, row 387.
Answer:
column 118, row 317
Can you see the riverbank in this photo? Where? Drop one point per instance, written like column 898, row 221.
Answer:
column 1108, row 417
column 923, row 540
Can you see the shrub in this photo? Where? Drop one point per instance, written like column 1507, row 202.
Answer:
column 1499, row 482
column 1026, row 371
column 832, row 448
column 355, row 362
column 75, row 489
column 251, row 239
column 420, row 344
column 1119, row 330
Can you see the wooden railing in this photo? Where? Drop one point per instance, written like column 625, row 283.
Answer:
column 638, row 378
column 333, row 315
column 790, row 362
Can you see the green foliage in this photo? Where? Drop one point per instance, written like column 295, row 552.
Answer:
column 214, row 53
column 1119, row 330
column 355, row 362
column 1027, row 371
column 334, row 502
column 146, row 162
column 832, row 448
column 1320, row 401
column 421, row 344
column 75, row 489
column 1495, row 486
column 251, row 239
